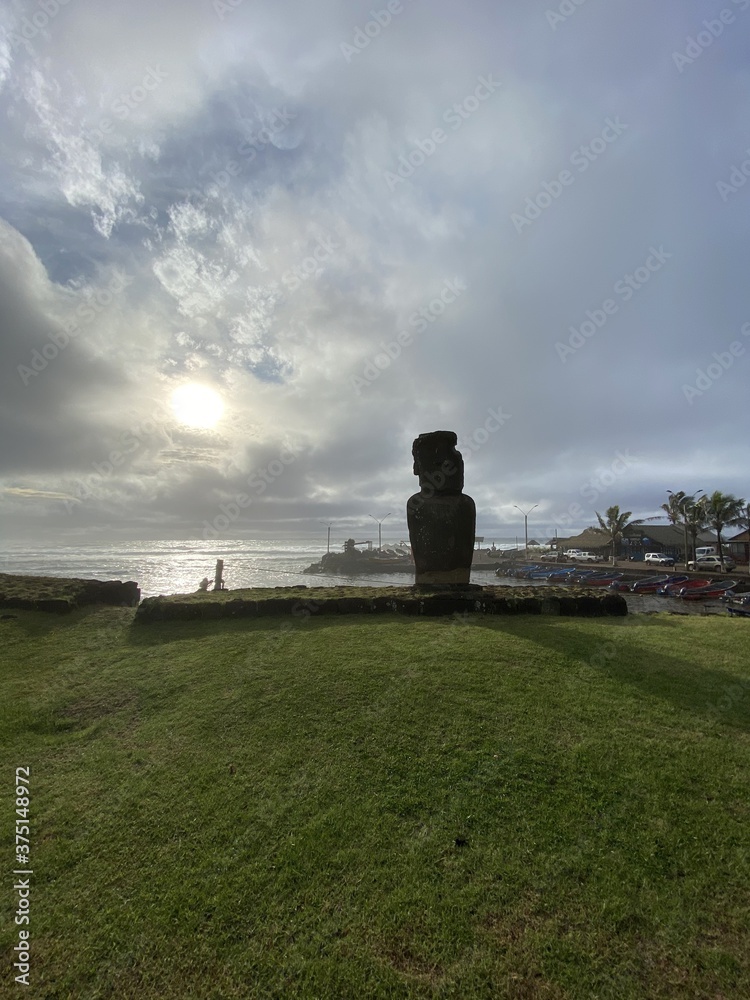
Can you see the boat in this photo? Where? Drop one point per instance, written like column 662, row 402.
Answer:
column 546, row 573
column 652, row 583
column 716, row 589
column 581, row 575
column 601, row 581
column 559, row 574
column 351, row 562
column 520, row 572
column 486, row 559
column 738, row 612
column 739, row 600
column 672, row 590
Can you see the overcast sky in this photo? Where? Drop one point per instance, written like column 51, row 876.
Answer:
column 525, row 222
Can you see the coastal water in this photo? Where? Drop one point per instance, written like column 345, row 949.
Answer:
column 177, row 567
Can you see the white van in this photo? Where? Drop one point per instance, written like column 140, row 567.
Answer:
column 705, row 550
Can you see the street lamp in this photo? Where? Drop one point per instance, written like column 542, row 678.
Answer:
column 328, row 548
column 683, row 504
column 526, row 525
column 379, row 527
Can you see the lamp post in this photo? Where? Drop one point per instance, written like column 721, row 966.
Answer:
column 328, row 546
column 683, row 505
column 380, row 522
column 526, row 525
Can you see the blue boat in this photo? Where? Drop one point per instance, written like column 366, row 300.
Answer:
column 584, row 575
column 543, row 574
column 559, row 574
column 520, row 572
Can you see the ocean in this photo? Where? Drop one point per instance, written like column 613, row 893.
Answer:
column 177, row 567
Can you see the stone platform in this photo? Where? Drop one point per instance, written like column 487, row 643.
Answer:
column 62, row 595
column 304, row 602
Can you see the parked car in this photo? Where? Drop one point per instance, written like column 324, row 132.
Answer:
column 572, row 553
column 588, row 557
column 548, row 557
column 712, row 563
column 705, row 550
column 660, row 558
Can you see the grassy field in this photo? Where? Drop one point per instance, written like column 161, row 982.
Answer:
column 380, row 807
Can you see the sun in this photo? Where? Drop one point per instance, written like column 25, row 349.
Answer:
column 197, row 405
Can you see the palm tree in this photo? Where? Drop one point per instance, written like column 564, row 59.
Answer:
column 695, row 520
column 683, row 508
column 723, row 509
column 613, row 524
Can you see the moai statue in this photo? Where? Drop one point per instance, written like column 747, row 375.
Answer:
column 441, row 518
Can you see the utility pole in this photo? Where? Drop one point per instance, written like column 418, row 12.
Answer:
column 526, row 525
column 380, row 522
column 328, row 548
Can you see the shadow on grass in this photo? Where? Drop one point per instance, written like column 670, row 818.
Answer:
column 39, row 624
column 609, row 647
column 606, row 645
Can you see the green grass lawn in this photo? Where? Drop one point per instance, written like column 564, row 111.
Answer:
column 380, row 807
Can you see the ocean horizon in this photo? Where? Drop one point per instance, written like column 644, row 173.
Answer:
column 178, row 566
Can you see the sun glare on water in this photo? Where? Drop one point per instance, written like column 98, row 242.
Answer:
column 196, row 405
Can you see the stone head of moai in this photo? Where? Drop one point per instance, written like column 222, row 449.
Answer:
column 438, row 463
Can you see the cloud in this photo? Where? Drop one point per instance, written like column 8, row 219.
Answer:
column 223, row 196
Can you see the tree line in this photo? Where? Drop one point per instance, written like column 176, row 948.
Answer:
column 694, row 512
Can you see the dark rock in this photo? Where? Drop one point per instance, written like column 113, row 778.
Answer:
column 588, row 606
column 56, row 605
column 112, row 592
column 614, row 604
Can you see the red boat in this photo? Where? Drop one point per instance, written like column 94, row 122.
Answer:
column 675, row 589
column 652, row 583
column 716, row 589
